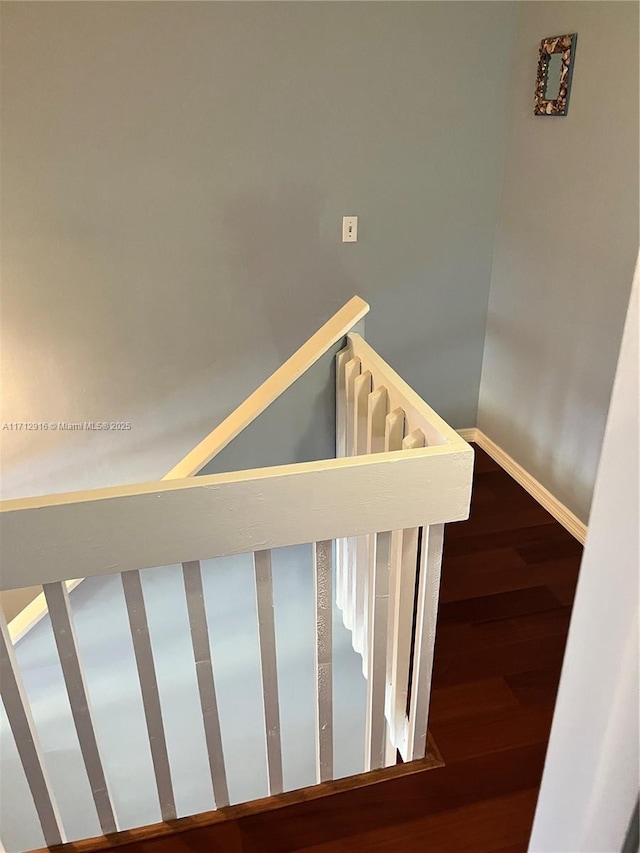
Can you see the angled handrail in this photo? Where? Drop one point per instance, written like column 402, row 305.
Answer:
column 342, row 322
column 318, row 344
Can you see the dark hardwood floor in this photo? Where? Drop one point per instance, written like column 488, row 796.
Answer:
column 509, row 577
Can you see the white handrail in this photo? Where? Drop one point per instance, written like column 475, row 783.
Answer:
column 318, row 344
column 106, row 531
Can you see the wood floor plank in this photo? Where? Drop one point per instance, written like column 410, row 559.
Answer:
column 474, row 663
column 393, row 803
column 551, row 549
column 471, row 699
column 491, row 579
column 498, row 632
column 225, row 837
column 500, row 521
column 483, row 495
column 505, row 487
column 455, row 635
column 538, row 687
column 493, row 731
column 564, row 591
column 512, row 848
column 474, row 543
column 505, row 820
column 499, row 606
column 488, row 560
column 484, row 462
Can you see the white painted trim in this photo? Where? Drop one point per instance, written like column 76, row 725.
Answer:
column 561, row 513
column 418, row 414
column 106, row 531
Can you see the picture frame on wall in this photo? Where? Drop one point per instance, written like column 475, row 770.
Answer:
column 555, row 71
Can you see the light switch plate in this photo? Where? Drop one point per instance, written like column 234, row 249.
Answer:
column 349, row 229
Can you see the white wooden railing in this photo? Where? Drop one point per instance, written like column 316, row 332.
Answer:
column 400, row 475
column 388, row 583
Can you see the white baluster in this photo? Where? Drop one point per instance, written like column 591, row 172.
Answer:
column 394, row 430
column 342, row 358
column 324, row 661
column 192, row 576
column 375, row 734
column 268, row 668
column 393, row 437
column 405, row 601
column 404, row 582
column 136, row 611
column 57, row 599
column 361, row 391
column 16, row 704
column 378, row 406
column 352, row 371
column 341, row 450
column 425, row 638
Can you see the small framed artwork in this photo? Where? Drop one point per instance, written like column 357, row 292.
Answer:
column 555, row 69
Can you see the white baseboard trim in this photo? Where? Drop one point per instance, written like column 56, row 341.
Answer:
column 553, row 506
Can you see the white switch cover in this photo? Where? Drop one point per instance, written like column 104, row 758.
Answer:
column 349, row 229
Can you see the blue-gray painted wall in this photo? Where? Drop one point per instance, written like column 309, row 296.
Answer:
column 174, row 180
column 565, row 250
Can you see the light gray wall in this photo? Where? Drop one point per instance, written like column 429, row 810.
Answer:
column 174, row 178
column 565, row 247
column 297, row 427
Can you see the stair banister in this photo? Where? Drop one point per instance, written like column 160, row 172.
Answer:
column 401, row 473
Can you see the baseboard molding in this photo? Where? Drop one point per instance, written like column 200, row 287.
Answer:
column 554, row 507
